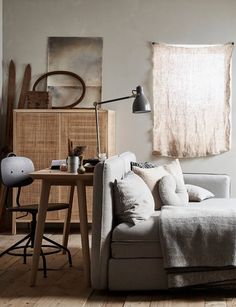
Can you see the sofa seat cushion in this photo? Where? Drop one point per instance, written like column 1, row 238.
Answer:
column 138, row 241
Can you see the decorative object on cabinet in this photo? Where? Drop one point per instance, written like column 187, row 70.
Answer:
column 83, row 56
column 42, row 100
column 42, row 136
column 192, row 93
column 140, row 105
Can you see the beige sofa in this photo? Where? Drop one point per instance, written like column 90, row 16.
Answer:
column 125, row 257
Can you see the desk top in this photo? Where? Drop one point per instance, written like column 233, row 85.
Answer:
column 59, row 175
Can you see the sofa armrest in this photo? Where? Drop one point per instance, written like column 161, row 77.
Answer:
column 103, row 217
column 218, row 184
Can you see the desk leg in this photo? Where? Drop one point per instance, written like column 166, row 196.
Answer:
column 81, row 190
column 66, row 228
column 45, row 190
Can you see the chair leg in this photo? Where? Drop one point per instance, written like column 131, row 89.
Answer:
column 62, row 247
column 15, row 245
column 25, row 250
column 44, row 264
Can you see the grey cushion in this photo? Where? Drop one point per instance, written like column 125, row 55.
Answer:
column 143, row 164
column 197, row 193
column 133, row 199
column 172, row 194
column 139, row 241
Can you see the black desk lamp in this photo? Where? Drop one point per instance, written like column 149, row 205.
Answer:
column 140, row 105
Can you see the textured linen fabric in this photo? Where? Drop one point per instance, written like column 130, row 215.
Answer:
column 198, row 194
column 152, row 178
column 200, row 238
column 139, row 241
column 133, row 199
column 132, row 274
column 192, row 92
column 105, row 173
column 170, row 194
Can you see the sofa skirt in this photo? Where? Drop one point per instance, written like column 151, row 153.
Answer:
column 137, row 274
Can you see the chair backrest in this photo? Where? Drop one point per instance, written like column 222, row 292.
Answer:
column 15, row 171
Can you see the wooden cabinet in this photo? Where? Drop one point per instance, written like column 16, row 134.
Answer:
column 42, row 136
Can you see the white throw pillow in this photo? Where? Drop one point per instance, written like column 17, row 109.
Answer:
column 133, row 199
column 170, row 194
column 197, row 193
column 152, row 177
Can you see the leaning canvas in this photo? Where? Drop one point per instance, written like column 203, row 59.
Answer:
column 192, row 99
column 80, row 55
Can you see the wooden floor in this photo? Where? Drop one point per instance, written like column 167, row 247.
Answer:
column 64, row 285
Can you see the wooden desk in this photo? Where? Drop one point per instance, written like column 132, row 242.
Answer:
column 54, row 177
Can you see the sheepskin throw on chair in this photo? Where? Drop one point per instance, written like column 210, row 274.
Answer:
column 192, row 99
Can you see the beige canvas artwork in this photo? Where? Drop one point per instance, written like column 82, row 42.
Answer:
column 192, row 100
column 80, row 55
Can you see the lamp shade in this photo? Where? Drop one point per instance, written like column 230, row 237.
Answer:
column 141, row 103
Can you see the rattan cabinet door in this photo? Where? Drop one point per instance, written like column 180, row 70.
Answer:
column 42, row 136
column 36, row 136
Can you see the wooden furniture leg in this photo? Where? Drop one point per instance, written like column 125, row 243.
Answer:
column 45, row 190
column 81, row 190
column 66, row 228
column 3, row 199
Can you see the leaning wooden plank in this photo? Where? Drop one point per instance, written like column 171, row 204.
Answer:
column 11, row 91
column 25, row 86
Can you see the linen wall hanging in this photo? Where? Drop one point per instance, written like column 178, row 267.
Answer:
column 192, row 99
column 80, row 55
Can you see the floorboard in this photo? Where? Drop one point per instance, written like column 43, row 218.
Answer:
column 64, row 285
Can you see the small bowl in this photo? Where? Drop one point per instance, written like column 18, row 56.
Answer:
column 89, row 168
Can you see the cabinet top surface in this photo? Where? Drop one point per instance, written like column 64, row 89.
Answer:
column 60, row 110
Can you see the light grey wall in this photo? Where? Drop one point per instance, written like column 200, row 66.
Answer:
column 1, row 73
column 127, row 27
column 1, row 34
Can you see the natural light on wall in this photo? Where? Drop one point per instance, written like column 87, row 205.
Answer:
column 192, row 99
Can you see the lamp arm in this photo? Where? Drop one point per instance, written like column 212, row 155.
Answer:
column 112, row 100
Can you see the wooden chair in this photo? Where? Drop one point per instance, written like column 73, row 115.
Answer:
column 15, row 174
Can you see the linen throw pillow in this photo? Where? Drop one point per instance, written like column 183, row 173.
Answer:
column 152, row 177
column 170, row 194
column 197, row 193
column 133, row 199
